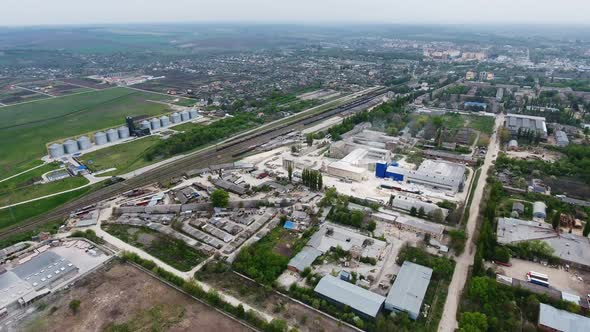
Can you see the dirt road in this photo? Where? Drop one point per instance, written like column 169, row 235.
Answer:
column 448, row 322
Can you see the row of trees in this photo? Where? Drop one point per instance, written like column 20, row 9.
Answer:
column 202, row 135
column 312, row 179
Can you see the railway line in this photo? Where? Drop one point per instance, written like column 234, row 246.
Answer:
column 222, row 153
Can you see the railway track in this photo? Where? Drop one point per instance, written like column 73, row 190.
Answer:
column 223, row 153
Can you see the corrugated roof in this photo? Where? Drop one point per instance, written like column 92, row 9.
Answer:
column 409, row 288
column 562, row 320
column 305, row 258
column 348, row 294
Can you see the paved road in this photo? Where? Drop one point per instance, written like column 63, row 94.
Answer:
column 448, row 322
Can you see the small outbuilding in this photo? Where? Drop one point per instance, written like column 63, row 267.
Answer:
column 539, row 210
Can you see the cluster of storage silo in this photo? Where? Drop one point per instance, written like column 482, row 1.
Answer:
column 165, row 121
column 71, row 146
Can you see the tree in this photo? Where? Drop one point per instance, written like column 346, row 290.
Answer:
column 74, row 306
column 505, row 135
column 371, row 226
column 290, row 172
column 421, row 212
column 438, row 216
column 309, row 139
column 556, row 220
column 220, row 198
column 586, row 230
column 413, row 211
column 473, row 322
column 320, row 182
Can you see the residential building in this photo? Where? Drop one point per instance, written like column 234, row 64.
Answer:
column 518, row 123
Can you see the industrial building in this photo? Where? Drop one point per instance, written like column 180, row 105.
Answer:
column 561, row 138
column 553, row 319
column 409, row 289
column 303, row 259
column 522, row 123
column 345, row 170
column 572, row 249
column 405, row 203
column 409, row 223
column 343, row 293
column 440, row 175
column 35, row 276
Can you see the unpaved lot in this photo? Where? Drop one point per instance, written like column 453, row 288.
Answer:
column 124, row 298
column 265, row 299
column 558, row 278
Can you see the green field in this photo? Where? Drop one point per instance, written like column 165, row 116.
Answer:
column 124, row 157
column 22, row 187
column 26, row 128
column 18, row 214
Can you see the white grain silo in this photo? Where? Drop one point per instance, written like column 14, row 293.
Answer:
column 145, row 124
column 193, row 113
column 100, row 138
column 175, row 118
column 184, row 116
column 164, row 121
column 155, row 123
column 70, row 146
column 84, row 142
column 112, row 135
column 56, row 150
column 123, row 132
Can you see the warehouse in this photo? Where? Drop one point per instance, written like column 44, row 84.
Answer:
column 303, row 259
column 553, row 319
column 405, row 203
column 571, row 249
column 340, row 292
column 518, row 123
column 440, row 175
column 344, row 170
column 411, row 224
column 409, row 289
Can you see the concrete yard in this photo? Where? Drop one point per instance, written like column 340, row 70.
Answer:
column 122, row 294
column 559, row 278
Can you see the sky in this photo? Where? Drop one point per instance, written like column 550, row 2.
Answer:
column 59, row 12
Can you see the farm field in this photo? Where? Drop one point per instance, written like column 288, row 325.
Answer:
column 124, row 157
column 27, row 128
column 17, row 95
column 23, row 187
column 15, row 215
column 124, row 298
column 174, row 252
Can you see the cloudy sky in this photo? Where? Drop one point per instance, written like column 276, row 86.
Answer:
column 41, row 12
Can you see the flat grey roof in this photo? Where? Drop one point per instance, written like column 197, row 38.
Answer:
column 409, row 288
column 348, row 294
column 304, row 258
column 12, row 288
column 570, row 247
column 43, row 269
column 562, row 320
